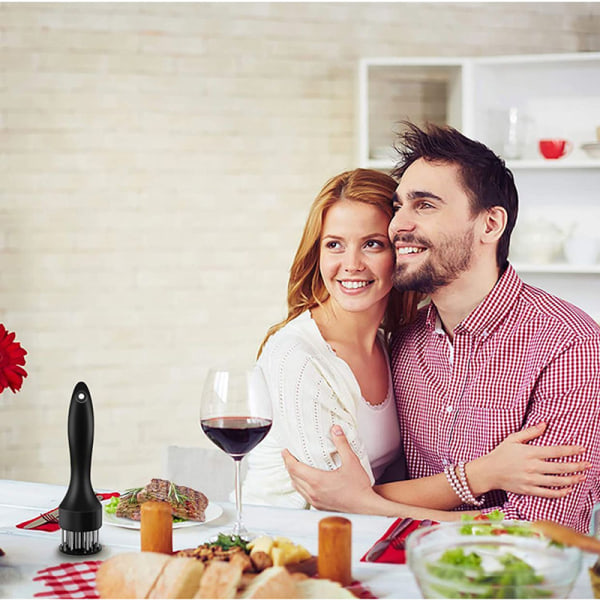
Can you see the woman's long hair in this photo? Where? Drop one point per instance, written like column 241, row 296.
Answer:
column 306, row 288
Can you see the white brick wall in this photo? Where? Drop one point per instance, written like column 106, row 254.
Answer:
column 156, row 166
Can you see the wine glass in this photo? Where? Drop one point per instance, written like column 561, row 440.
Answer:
column 235, row 414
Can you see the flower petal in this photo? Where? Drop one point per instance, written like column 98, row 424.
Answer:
column 11, row 356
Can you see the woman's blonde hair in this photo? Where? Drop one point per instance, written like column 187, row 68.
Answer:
column 306, row 288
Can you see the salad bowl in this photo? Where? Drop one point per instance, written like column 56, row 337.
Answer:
column 490, row 559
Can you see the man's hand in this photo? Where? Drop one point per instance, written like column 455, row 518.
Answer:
column 347, row 489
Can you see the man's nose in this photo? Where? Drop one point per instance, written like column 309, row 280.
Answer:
column 400, row 223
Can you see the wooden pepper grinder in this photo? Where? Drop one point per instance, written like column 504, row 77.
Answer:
column 335, row 550
column 156, row 527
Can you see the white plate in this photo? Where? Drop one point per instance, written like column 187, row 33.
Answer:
column 213, row 511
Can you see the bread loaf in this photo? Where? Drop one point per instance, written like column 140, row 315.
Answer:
column 180, row 578
column 275, row 582
column 130, row 575
column 220, row 580
column 154, row 575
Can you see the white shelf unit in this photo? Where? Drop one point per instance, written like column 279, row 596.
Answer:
column 563, row 163
column 557, row 268
column 560, row 96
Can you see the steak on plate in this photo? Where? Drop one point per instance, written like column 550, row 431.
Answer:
column 186, row 503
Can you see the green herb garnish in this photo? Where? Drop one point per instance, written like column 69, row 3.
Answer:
column 226, row 542
column 111, row 506
column 174, row 494
column 131, row 494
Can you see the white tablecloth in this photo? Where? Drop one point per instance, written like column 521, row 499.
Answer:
column 28, row 551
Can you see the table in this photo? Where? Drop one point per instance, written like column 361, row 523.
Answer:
column 28, row 551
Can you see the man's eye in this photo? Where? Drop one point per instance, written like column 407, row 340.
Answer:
column 425, row 205
column 396, row 207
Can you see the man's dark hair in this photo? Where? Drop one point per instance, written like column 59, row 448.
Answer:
column 484, row 175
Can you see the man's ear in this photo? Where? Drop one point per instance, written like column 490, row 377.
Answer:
column 494, row 224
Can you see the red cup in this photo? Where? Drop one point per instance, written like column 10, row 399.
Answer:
column 554, row 148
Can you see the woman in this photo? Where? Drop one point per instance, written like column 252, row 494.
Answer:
column 327, row 362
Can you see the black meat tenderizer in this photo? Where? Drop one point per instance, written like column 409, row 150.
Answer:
column 80, row 512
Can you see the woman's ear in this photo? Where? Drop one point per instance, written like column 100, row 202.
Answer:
column 494, row 224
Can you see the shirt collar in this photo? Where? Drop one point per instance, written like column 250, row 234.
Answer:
column 488, row 314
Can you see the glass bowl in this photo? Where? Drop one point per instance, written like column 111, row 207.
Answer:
column 483, row 559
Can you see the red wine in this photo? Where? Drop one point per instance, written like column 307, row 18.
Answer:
column 236, row 435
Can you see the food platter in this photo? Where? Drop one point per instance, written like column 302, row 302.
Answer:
column 213, row 511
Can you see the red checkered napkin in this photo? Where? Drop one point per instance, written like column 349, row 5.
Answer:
column 69, row 580
column 43, row 526
column 391, row 554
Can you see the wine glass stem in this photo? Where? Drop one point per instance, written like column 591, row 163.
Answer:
column 238, row 528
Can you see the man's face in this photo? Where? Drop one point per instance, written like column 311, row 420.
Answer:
column 433, row 228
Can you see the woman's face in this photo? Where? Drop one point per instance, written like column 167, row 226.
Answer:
column 356, row 259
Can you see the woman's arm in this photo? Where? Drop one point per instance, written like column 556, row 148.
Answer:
column 348, row 488
column 512, row 466
column 417, row 498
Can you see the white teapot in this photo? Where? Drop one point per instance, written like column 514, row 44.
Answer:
column 537, row 242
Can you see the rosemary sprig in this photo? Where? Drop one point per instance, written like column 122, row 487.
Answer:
column 175, row 495
column 130, row 494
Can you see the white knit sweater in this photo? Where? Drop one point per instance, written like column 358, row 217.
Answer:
column 311, row 389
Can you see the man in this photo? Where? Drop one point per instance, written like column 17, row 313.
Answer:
column 489, row 356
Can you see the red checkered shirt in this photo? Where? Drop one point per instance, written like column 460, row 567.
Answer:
column 520, row 358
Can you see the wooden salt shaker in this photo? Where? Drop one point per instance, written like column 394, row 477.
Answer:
column 335, row 550
column 156, row 527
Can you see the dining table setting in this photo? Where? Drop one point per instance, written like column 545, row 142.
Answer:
column 31, row 554
column 33, row 566
column 166, row 540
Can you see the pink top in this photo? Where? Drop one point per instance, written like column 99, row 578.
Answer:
column 521, row 357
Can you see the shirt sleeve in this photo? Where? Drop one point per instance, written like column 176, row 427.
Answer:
column 307, row 406
column 567, row 397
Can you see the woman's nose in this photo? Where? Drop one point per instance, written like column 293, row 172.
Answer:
column 353, row 262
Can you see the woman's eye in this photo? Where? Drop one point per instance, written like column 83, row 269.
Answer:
column 375, row 244
column 332, row 245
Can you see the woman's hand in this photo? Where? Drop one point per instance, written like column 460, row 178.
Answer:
column 515, row 466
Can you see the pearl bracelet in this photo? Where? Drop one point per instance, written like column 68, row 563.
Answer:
column 455, row 483
column 460, row 485
column 465, row 486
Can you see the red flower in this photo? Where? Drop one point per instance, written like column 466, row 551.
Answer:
column 11, row 356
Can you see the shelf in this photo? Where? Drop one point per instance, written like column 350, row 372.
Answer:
column 534, row 163
column 559, row 268
column 560, row 163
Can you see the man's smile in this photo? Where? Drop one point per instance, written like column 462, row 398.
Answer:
column 403, row 250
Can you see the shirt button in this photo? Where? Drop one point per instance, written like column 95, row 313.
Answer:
column 449, row 408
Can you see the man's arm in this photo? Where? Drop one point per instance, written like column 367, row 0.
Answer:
column 567, row 397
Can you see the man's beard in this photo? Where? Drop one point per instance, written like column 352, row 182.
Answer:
column 453, row 256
